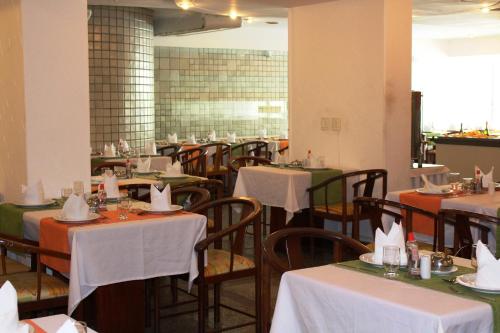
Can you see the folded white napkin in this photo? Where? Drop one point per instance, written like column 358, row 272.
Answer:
column 487, row 178
column 33, row 194
column 231, row 137
column 123, row 144
column 262, row 133
column 150, row 148
column 109, row 150
column 9, row 317
column 143, row 165
column 76, row 207
column 429, row 187
column 172, row 138
column 174, row 169
column 68, row 327
column 192, row 139
column 111, row 186
column 160, row 201
column 212, row 136
column 488, row 268
column 395, row 237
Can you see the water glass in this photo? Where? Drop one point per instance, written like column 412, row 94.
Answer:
column 468, row 185
column 391, row 259
column 454, row 180
column 124, row 205
column 473, row 256
column 78, row 188
column 65, row 193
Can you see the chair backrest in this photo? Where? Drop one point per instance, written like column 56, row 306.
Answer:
column 98, row 169
column 193, row 161
column 244, row 161
column 282, row 150
column 190, row 197
column 462, row 223
column 256, row 148
column 221, row 152
column 169, row 150
column 374, row 209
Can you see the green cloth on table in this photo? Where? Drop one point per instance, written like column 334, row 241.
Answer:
column 11, row 218
column 436, row 283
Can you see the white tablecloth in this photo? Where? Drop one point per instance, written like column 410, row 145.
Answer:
column 436, row 173
column 51, row 324
column 333, row 299
column 135, row 250
column 275, row 187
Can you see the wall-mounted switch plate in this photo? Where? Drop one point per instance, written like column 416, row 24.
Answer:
column 336, row 124
column 325, row 124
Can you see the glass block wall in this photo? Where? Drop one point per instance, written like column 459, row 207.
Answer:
column 121, row 75
column 199, row 90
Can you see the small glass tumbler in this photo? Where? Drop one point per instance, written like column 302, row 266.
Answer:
column 78, row 187
column 391, row 260
column 124, row 205
column 454, row 180
column 473, row 256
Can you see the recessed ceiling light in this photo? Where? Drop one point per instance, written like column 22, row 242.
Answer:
column 184, row 4
column 233, row 14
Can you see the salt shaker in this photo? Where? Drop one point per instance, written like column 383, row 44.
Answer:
column 491, row 188
column 425, row 267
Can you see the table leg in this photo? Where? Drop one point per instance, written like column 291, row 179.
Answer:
column 278, row 219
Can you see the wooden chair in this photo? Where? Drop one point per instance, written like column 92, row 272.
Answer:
column 462, row 223
column 255, row 148
column 168, row 150
column 343, row 211
column 98, row 169
column 373, row 209
column 36, row 290
column 190, row 197
column 296, row 256
column 193, row 161
column 217, row 168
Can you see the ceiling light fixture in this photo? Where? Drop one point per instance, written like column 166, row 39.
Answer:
column 485, row 10
column 233, row 14
column 184, row 4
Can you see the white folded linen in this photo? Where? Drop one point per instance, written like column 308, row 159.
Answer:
column 143, row 165
column 231, row 137
column 395, row 237
column 174, row 169
column 160, row 201
column 68, row 327
column 191, row 139
column 262, row 133
column 33, row 194
column 486, row 178
column 172, row 138
column 111, row 186
column 9, row 317
column 109, row 150
column 123, row 145
column 488, row 268
column 429, row 187
column 212, row 136
column 76, row 207
column 150, row 148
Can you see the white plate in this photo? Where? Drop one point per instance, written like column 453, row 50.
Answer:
column 45, row 203
column 165, row 175
column 469, row 281
column 145, row 173
column 90, row 217
column 443, row 191
column 173, row 208
column 452, row 270
column 368, row 258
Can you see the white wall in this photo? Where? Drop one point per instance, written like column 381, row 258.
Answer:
column 351, row 59
column 54, row 116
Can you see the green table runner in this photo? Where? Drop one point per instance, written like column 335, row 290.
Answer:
column 436, row 283
column 11, row 218
column 318, row 176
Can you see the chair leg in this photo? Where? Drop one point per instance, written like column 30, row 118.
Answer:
column 217, row 290
column 264, row 220
column 344, row 227
column 156, row 292
column 202, row 307
column 173, row 289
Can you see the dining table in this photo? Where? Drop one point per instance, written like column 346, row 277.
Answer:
column 158, row 162
column 51, row 324
column 354, row 297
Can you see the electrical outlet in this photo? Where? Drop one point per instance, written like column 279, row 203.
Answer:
column 325, row 124
column 336, row 124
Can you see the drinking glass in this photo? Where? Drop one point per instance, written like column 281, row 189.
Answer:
column 468, row 185
column 391, row 259
column 78, row 187
column 473, row 256
column 65, row 193
column 454, row 180
column 108, row 172
column 123, row 208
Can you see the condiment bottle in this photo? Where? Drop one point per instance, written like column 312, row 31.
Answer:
column 412, row 254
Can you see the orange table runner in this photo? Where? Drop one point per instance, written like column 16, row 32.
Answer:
column 283, row 143
column 37, row 328
column 54, row 235
column 431, row 203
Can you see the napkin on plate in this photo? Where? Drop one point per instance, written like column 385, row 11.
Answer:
column 150, row 148
column 395, row 237
column 68, row 327
column 76, row 208
column 191, row 139
column 212, row 136
column 174, row 169
column 488, row 268
column 231, row 137
column 262, row 133
column 9, row 317
column 429, row 187
column 486, row 178
column 172, row 138
column 111, row 186
column 123, row 144
column 160, row 201
column 33, row 194
column 143, row 165
column 109, row 150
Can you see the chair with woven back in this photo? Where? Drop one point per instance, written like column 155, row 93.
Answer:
column 374, row 209
column 251, row 148
column 342, row 210
column 98, row 169
column 36, row 290
column 218, row 156
column 463, row 223
column 193, row 161
column 168, row 150
column 299, row 254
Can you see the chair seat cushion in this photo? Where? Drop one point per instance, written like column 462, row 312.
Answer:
column 25, row 284
column 12, row 266
column 210, row 223
column 212, row 169
column 335, row 208
column 219, row 262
